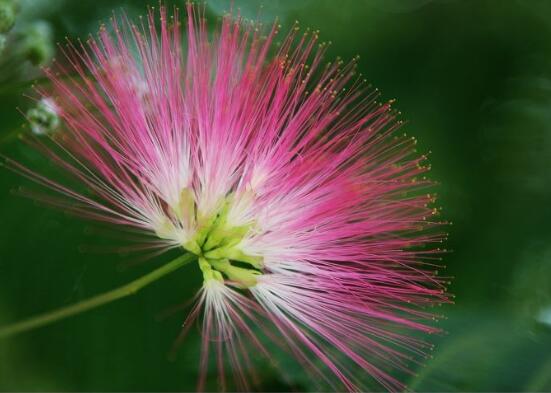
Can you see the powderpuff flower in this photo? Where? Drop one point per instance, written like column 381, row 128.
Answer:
column 305, row 208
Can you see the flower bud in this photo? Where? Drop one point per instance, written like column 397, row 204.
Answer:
column 7, row 15
column 37, row 43
column 44, row 117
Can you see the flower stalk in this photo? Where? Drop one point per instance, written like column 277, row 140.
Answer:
column 96, row 301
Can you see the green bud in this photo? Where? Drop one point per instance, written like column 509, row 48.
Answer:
column 7, row 15
column 37, row 43
column 43, row 118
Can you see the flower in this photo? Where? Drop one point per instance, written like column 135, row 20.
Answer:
column 305, row 207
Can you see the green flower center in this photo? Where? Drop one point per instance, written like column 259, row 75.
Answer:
column 217, row 244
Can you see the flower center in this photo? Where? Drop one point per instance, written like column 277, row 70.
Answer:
column 216, row 243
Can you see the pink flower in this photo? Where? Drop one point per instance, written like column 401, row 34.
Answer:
column 306, row 209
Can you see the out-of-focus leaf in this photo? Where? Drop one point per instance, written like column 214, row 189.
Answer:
column 530, row 289
column 265, row 11
column 541, row 381
column 486, row 352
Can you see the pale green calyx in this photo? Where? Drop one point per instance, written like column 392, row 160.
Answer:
column 208, row 272
column 243, row 276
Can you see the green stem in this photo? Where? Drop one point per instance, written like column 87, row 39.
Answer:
column 121, row 292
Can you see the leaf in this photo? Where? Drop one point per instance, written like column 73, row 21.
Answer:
column 541, row 381
column 489, row 352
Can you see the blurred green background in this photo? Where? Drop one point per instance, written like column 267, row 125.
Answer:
column 473, row 80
